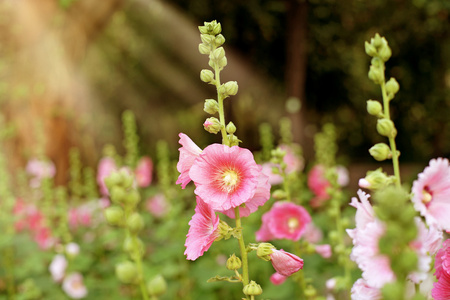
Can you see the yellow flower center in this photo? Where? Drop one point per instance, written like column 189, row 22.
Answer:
column 426, row 197
column 293, row 224
column 229, row 180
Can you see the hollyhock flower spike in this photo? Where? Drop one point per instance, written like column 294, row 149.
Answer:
column 431, row 193
column 203, row 230
column 225, row 177
column 188, row 153
column 39, row 169
column 143, row 172
column 285, row 263
column 74, row 287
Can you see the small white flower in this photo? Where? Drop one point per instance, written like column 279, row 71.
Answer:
column 74, row 287
column 58, row 267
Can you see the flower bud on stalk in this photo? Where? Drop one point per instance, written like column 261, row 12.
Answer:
column 118, row 194
column 157, row 286
column 220, row 40
column 127, row 272
column 370, row 49
column 231, row 128
column 392, row 87
column 132, row 198
column 264, row 251
column 211, row 106
column 234, row 262
column 386, row 128
column 380, row 151
column 206, row 75
column 374, row 108
column 204, row 49
column 231, row 88
column 252, row 289
column 218, row 54
column 135, row 223
column 114, row 215
column 212, row 125
column 376, row 75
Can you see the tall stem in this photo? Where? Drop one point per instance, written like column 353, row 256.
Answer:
column 244, row 258
column 221, row 110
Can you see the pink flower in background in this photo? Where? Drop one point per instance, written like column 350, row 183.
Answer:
column 324, row 250
column 80, row 216
column 225, row 177
column 262, row 194
column 39, row 169
column 284, row 220
column 441, row 288
column 362, row 291
column 318, row 184
column 274, row 179
column 203, row 230
column 157, row 205
column 312, row 233
column 106, row 166
column 58, row 267
column 285, row 263
column 143, row 172
column 291, row 159
column 277, row 278
column 43, row 237
column 188, row 153
column 431, row 193
column 74, row 287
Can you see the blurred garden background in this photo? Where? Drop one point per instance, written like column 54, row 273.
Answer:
column 70, row 68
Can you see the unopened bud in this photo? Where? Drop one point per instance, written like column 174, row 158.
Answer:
column 212, row 125
column 127, row 272
column 206, row 75
column 376, row 180
column 220, row 39
column 204, row 49
column 375, row 75
column 112, row 180
column 252, row 289
column 264, row 251
column 132, row 198
column 392, row 87
column 114, row 215
column 231, row 128
column 117, row 194
column 135, row 223
column 218, row 54
column 279, row 194
column 386, row 128
column 211, row 106
column 234, row 262
column 157, row 286
column 385, row 51
column 380, row 151
column 224, row 231
column 133, row 243
column 234, row 141
column 222, row 63
column 376, row 41
column 207, row 39
column 370, row 49
column 231, row 88
column 374, row 107
column 217, row 28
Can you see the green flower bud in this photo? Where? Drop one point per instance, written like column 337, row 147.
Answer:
column 376, row 62
column 132, row 198
column 376, row 41
column 370, row 49
column 207, row 39
column 386, row 128
column 224, row 231
column 252, row 289
column 216, row 28
column 117, row 194
column 157, row 286
column 234, row 141
column 230, row 128
column 114, row 215
column 392, row 87
column 204, row 49
column 135, row 223
column 310, row 291
column 375, row 180
column 375, row 75
column 220, row 39
column 385, row 52
column 203, row 29
column 222, row 63
column 212, row 125
column 374, row 108
column 127, row 272
column 234, row 262
column 264, row 251
column 113, row 180
column 132, row 243
column 380, row 151
column 279, row 194
column 231, row 88
column 211, row 106
column 206, row 76
column 218, row 54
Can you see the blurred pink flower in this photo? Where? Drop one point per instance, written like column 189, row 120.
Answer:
column 43, row 237
column 74, row 287
column 285, row 263
column 58, row 267
column 143, row 172
column 225, row 177
column 106, row 166
column 274, row 179
column 262, row 194
column 441, row 288
column 39, row 169
column 362, row 291
column 324, row 250
column 284, row 220
column 157, row 205
column 312, row 233
column 79, row 216
column 188, row 153
column 318, row 184
column 277, row 278
column 203, row 230
column 431, row 193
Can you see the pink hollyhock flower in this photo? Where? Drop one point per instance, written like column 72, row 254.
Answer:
column 43, row 237
column 157, row 205
column 285, row 263
column 431, row 193
column 79, row 216
column 284, row 220
column 225, row 177
column 362, row 291
column 441, row 288
column 106, row 166
column 277, row 278
column 143, row 172
column 188, row 153
column 274, row 179
column 324, row 250
column 318, row 184
column 72, row 249
column 262, row 194
column 58, row 267
column 39, row 169
column 74, row 287
column 312, row 233
column 292, row 161
column 343, row 178
column 202, row 232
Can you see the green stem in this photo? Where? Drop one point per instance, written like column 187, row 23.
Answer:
column 392, row 144
column 244, row 258
column 138, row 261
column 221, row 110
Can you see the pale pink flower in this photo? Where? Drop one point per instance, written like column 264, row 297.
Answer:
column 72, row 249
column 343, row 177
column 324, row 250
column 277, row 279
column 312, row 233
column 262, row 194
column 225, row 177
column 143, row 172
column 58, row 267
column 188, row 153
column 39, row 169
column 74, row 287
column 285, row 263
column 106, row 166
column 364, row 212
column 203, row 230
column 284, row 220
column 431, row 193
column 79, row 216
column 158, row 205
column 291, row 159
column 274, row 179
column 362, row 291
column 318, row 184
